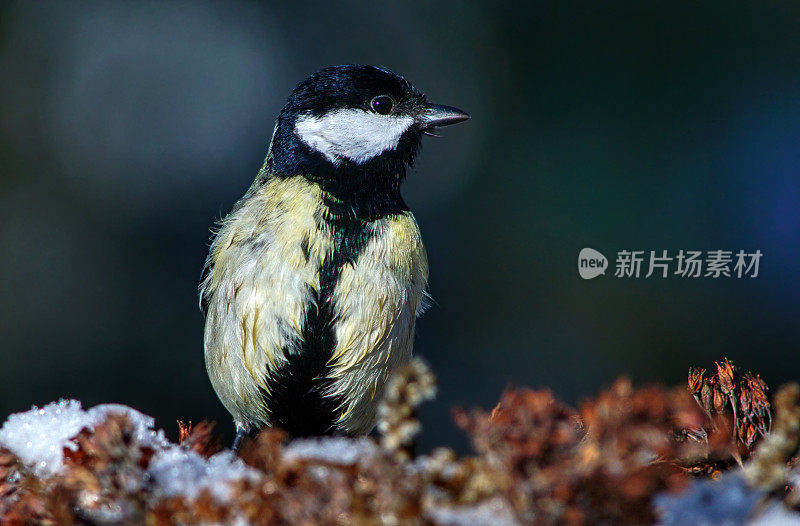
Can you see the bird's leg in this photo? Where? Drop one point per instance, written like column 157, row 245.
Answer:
column 241, row 432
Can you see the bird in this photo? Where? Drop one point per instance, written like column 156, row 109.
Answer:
column 314, row 280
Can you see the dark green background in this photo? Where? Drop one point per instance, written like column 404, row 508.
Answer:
column 127, row 129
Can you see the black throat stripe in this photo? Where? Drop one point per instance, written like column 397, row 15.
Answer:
column 296, row 399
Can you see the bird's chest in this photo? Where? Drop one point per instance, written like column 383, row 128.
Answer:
column 314, row 307
column 365, row 282
column 310, row 264
column 370, row 274
column 373, row 306
column 345, row 268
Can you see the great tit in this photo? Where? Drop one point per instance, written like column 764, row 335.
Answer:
column 315, row 278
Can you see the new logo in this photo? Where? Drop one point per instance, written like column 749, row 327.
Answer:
column 591, row 263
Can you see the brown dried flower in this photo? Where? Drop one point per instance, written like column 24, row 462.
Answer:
column 184, row 430
column 696, row 380
column 726, row 375
column 742, row 398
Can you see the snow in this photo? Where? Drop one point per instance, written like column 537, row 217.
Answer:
column 727, row 501
column 776, row 515
column 333, row 450
column 145, row 433
column 38, row 437
column 494, row 512
column 180, row 472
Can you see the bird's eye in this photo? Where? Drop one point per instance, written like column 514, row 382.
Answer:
column 382, row 104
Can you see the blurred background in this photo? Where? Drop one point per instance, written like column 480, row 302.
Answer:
column 128, row 129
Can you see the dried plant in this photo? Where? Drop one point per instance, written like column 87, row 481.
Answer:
column 537, row 461
column 184, row 430
column 600, row 464
column 199, row 438
column 744, row 396
column 770, row 464
column 409, row 387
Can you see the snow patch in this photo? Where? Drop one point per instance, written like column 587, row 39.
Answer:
column 38, row 437
column 333, row 450
column 727, row 501
column 776, row 515
column 184, row 473
column 494, row 512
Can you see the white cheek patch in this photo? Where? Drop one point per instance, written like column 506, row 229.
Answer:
column 356, row 135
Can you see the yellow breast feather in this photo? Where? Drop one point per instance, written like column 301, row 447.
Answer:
column 376, row 298
column 263, row 263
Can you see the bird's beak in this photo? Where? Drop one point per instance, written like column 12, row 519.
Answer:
column 436, row 115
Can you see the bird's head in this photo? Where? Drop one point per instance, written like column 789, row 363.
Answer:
column 354, row 125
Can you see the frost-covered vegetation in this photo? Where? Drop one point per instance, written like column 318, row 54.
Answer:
column 718, row 452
